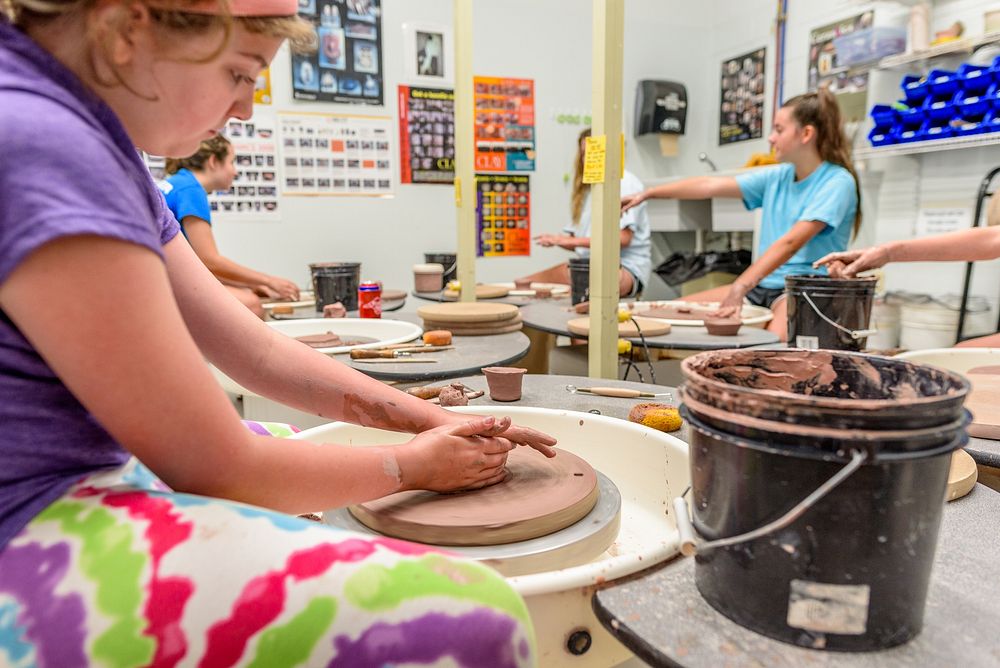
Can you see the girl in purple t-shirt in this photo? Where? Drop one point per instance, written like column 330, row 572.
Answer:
column 106, row 317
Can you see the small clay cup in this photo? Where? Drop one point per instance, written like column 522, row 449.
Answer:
column 723, row 326
column 504, row 382
column 543, row 293
column 522, row 283
column 428, row 277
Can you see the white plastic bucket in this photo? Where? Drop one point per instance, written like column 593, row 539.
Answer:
column 885, row 320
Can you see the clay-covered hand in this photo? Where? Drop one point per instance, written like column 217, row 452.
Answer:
column 454, row 456
column 631, row 201
column 848, row 264
column 334, row 310
column 561, row 240
column 732, row 305
column 285, row 288
column 523, row 436
column 264, row 292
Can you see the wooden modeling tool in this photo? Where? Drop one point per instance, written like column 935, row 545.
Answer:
column 622, row 392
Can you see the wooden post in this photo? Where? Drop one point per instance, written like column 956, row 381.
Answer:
column 605, row 198
column 465, row 186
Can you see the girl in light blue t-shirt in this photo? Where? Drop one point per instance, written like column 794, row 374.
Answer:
column 810, row 203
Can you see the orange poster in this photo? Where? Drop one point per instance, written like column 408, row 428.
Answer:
column 505, row 124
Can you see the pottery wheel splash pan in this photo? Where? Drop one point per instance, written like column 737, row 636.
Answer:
column 539, row 496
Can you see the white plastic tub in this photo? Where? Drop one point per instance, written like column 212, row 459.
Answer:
column 650, row 468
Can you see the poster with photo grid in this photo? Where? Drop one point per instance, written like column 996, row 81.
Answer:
column 254, row 193
column 335, row 154
column 347, row 64
column 505, row 124
column 741, row 112
column 503, row 214
column 426, row 135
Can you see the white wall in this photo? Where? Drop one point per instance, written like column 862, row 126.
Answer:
column 545, row 40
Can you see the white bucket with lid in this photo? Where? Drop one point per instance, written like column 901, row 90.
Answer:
column 928, row 322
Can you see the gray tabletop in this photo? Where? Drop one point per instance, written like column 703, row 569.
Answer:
column 985, row 451
column 516, row 300
column 552, row 315
column 661, row 617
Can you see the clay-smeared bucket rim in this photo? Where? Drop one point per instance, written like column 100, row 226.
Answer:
column 693, row 369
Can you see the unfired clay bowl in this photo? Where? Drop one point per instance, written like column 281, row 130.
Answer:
column 723, row 326
column 522, row 283
column 504, row 382
column 543, row 293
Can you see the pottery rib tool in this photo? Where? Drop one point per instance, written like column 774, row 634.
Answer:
column 621, row 392
column 362, row 353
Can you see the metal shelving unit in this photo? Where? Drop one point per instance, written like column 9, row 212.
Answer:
column 930, row 146
column 956, row 48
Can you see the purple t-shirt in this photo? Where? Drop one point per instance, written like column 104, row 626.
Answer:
column 67, row 167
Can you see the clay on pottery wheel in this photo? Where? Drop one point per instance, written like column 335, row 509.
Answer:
column 538, row 497
column 453, row 395
column 334, row 310
column 504, row 382
column 522, row 283
column 723, row 326
column 327, row 340
column 543, row 293
column 662, row 417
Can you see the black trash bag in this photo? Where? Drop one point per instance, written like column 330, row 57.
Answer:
column 683, row 267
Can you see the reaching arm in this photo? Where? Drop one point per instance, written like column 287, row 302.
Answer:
column 199, row 234
column 776, row 255
column 698, row 187
column 569, row 242
column 130, row 361
column 978, row 243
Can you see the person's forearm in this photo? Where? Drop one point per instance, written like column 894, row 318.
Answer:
column 698, row 187
column 225, row 269
column 776, row 255
column 979, row 243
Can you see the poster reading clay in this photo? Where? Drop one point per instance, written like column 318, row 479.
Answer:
column 505, row 124
column 426, row 135
column 503, row 214
column 741, row 114
column 254, row 193
column 335, row 154
column 824, row 69
column 347, row 65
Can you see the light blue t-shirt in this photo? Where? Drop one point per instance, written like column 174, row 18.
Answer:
column 186, row 197
column 827, row 195
column 637, row 256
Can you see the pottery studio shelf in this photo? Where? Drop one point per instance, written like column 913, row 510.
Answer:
column 930, row 146
column 958, row 47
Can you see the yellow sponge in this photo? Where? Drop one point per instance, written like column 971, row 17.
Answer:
column 662, row 417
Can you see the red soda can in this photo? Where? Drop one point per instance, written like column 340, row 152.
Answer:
column 370, row 299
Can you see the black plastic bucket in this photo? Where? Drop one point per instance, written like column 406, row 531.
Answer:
column 336, row 282
column 830, row 313
column 848, row 570
column 579, row 279
column 447, row 260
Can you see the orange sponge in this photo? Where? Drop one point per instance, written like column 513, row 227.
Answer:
column 438, row 337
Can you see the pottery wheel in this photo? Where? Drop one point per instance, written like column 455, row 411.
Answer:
column 538, row 497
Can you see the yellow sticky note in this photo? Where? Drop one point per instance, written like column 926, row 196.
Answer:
column 594, row 154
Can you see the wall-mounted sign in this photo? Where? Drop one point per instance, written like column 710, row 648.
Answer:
column 503, row 214
column 741, row 115
column 426, row 135
column 505, row 124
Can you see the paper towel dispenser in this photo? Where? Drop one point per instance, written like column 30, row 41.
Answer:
column 660, row 107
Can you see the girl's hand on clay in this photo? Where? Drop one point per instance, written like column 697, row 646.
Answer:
column 454, row 456
column 732, row 305
column 631, row 201
column 286, row 289
column 848, row 264
column 516, row 434
column 264, row 292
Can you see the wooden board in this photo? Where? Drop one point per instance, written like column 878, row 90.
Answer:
column 538, row 497
column 962, row 476
column 485, row 329
column 482, row 292
column 984, row 402
column 467, row 312
column 625, row 329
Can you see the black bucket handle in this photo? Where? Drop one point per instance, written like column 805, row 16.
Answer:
column 691, row 542
column 853, row 333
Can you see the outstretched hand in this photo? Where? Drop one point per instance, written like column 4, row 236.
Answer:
column 632, row 201
column 561, row 240
column 848, row 264
column 455, row 456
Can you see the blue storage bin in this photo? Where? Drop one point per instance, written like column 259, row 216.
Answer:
column 883, row 135
column 974, row 125
column 995, row 70
column 915, row 89
column 967, row 105
column 884, row 115
column 974, row 79
column 906, row 134
column 942, row 82
column 992, row 121
column 868, row 45
column 940, row 107
column 935, row 129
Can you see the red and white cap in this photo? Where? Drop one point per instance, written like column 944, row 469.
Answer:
column 243, row 7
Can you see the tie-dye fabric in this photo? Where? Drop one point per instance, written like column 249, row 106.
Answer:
column 121, row 571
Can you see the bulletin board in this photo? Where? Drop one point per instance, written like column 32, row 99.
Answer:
column 503, row 214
